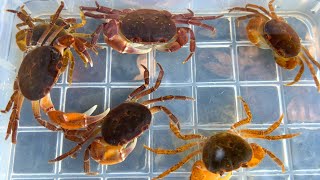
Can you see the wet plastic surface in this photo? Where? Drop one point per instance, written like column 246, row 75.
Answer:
column 223, row 67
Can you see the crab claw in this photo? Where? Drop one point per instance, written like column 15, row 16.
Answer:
column 73, row 121
column 111, row 154
column 199, row 171
column 91, row 110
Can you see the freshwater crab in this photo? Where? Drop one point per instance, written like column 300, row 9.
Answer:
column 121, row 127
column 38, row 72
column 269, row 31
column 225, row 151
column 139, row 31
column 38, row 30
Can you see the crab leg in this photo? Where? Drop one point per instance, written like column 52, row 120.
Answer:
column 96, row 33
column 181, row 40
column 102, row 16
column 270, row 138
column 248, row 113
column 259, row 154
column 178, row 165
column 52, row 22
column 172, row 151
column 248, row 10
column 91, row 134
column 14, row 118
column 271, row 8
column 196, row 23
column 68, row 57
column 27, row 20
column 176, row 132
column 24, row 17
column 203, row 17
column 299, row 74
column 101, row 9
column 80, row 46
column 37, row 115
column 15, row 123
column 242, row 18
column 166, row 98
column 53, row 35
column 86, row 162
column 260, row 8
column 152, row 89
column 80, row 25
column 143, row 86
column 310, row 57
column 192, row 46
column 172, row 117
column 312, row 70
column 275, row 159
column 10, row 102
column 185, row 15
column 79, row 134
column 270, row 129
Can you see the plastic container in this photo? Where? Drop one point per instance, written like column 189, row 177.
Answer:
column 222, row 68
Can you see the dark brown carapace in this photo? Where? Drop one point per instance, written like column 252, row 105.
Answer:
column 39, row 71
column 47, row 47
column 139, row 31
column 282, row 38
column 224, row 151
column 121, row 127
column 267, row 30
column 148, row 26
column 125, row 122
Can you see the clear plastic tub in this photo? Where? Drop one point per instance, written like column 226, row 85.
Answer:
column 222, row 68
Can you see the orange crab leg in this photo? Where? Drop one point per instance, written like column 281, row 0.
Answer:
column 37, row 115
column 259, row 154
column 178, row 165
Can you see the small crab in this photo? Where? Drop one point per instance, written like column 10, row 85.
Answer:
column 269, row 31
column 139, row 31
column 38, row 31
column 38, row 72
column 121, row 127
column 225, row 151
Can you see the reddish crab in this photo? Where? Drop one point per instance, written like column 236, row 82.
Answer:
column 269, row 31
column 35, row 35
column 122, row 126
column 139, row 31
column 39, row 71
column 225, row 151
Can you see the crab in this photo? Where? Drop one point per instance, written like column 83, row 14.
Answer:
column 115, row 135
column 38, row 30
column 224, row 151
column 139, row 31
column 38, row 72
column 269, row 31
